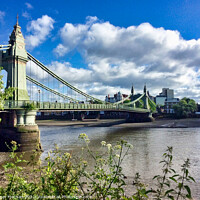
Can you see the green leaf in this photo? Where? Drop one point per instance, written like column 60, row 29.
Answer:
column 173, row 179
column 173, row 170
column 171, row 197
column 190, row 177
column 188, row 191
column 168, row 191
column 186, row 171
column 167, row 184
column 143, row 191
column 150, row 191
column 43, row 180
column 155, row 177
column 175, row 175
column 180, row 185
column 52, row 164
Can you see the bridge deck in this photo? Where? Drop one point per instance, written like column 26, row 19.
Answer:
column 72, row 106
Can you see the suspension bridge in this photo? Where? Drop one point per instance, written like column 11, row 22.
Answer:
column 38, row 88
column 37, row 84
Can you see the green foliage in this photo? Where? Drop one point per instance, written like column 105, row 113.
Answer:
column 185, row 107
column 13, row 174
column 141, row 192
column 107, row 179
column 4, row 93
column 63, row 177
column 127, row 101
column 30, row 106
column 96, row 101
column 171, row 185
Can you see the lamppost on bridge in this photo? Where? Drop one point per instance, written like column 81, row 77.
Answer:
column 39, row 94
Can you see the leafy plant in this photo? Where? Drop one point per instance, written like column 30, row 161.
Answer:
column 30, row 106
column 61, row 176
column 141, row 191
column 171, row 185
column 13, row 173
column 107, row 179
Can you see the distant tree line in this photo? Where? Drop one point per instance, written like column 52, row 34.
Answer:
column 185, row 108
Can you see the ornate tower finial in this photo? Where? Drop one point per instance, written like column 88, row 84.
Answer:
column 145, row 88
column 132, row 90
column 17, row 19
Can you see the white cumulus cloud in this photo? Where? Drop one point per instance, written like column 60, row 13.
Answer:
column 119, row 56
column 39, row 31
column 73, row 74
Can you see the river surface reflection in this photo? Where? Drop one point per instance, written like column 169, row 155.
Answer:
column 149, row 145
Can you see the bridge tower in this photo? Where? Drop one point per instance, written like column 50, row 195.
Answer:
column 17, row 124
column 14, row 61
column 146, row 102
column 132, row 95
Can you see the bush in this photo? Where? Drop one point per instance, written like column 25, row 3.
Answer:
column 30, row 106
column 63, row 177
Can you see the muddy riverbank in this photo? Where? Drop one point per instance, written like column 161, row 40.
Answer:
column 164, row 123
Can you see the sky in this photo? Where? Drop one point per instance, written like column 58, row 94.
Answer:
column 103, row 47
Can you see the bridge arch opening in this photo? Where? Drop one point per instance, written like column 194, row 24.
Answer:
column 4, row 73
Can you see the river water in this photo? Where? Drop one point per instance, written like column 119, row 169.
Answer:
column 149, row 145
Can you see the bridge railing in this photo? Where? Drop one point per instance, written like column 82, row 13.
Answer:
column 9, row 104
column 72, row 106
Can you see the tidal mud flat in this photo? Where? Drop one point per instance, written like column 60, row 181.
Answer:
column 161, row 123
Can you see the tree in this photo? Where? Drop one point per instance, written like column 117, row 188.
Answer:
column 185, row 107
column 96, row 101
column 127, row 101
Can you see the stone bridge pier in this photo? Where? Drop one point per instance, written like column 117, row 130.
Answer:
column 139, row 117
column 19, row 126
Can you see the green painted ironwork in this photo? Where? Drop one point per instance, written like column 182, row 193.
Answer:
column 122, row 101
column 49, row 89
column 72, row 106
column 38, row 63
column 132, row 102
column 14, row 58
